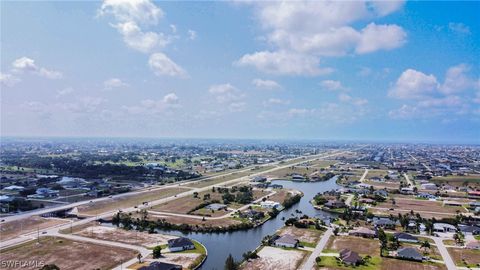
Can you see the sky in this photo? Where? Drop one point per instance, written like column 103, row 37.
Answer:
column 377, row 71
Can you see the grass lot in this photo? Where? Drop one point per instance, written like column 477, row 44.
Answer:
column 128, row 201
column 360, row 245
column 12, row 229
column 220, row 179
column 382, row 185
column 199, row 248
column 376, row 173
column 330, row 262
column 465, row 257
column 455, row 180
column 68, row 254
column 303, row 235
column 425, row 208
column 394, row 264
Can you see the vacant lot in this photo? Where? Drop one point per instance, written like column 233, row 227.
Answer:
column 271, row 258
column 457, row 181
column 382, row 185
column 360, row 245
column 183, row 259
column 124, row 236
column 12, row 229
column 185, row 204
column 394, row 264
column 68, row 254
column 128, row 200
column 194, row 221
column 425, row 208
column 304, row 235
column 220, row 179
column 464, row 257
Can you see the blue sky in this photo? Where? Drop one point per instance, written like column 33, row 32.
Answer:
column 389, row 71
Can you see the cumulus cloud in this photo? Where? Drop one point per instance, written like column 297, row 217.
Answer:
column 161, row 65
column 351, row 100
column 225, row 93
column 266, row 84
column 314, row 29
column 276, row 101
column 282, row 62
column 113, row 83
column 27, row 65
column 139, row 40
column 456, row 80
column 413, row 84
column 167, row 104
column 332, row 85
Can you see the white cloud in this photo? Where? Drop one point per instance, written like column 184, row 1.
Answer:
column 8, row 80
column 113, row 83
column 237, row 106
column 380, row 37
column 25, row 64
column 140, row 11
column 351, row 100
column 309, row 30
column 167, row 104
column 162, row 65
column 332, row 85
column 170, row 98
column 276, row 101
column 65, row 91
column 413, row 84
column 192, row 35
column 265, row 84
column 459, row 28
column 456, row 80
column 282, row 62
column 404, row 112
column 225, row 93
column 173, row 27
column 298, row 112
column 139, row 40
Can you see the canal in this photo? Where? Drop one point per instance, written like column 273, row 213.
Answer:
column 220, row 245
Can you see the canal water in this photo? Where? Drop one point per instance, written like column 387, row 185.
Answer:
column 220, row 245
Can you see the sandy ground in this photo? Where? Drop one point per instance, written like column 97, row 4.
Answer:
column 470, row 256
column 394, row 264
column 183, row 259
column 124, row 236
column 272, row 258
column 68, row 254
column 12, row 229
column 304, row 235
column 194, row 221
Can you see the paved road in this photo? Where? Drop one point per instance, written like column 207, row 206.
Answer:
column 410, row 183
column 444, row 252
column 308, row 265
column 362, row 179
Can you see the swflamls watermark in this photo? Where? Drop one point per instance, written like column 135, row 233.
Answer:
column 21, row 264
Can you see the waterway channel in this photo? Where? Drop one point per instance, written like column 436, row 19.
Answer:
column 220, row 245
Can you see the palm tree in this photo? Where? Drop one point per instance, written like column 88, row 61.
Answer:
column 425, row 245
column 139, row 257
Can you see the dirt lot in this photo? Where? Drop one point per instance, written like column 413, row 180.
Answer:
column 183, row 259
column 470, row 256
column 381, row 185
column 185, row 204
column 221, row 179
column 421, row 206
column 128, row 201
column 12, row 229
column 360, row 245
column 194, row 221
column 394, row 264
column 304, row 235
column 68, row 254
column 124, row 236
column 457, row 181
column 272, row 258
column 281, row 195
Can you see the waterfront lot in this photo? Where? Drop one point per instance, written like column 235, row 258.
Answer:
column 222, row 222
column 465, row 257
column 68, row 254
column 123, row 236
column 128, row 200
column 272, row 258
column 360, row 245
column 303, row 235
column 12, row 229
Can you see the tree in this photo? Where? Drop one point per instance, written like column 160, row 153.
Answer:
column 139, row 257
column 50, row 267
column 382, row 236
column 157, row 252
column 318, row 259
column 230, row 263
column 335, row 231
column 425, row 244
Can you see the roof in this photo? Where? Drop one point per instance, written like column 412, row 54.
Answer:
column 161, row 266
column 402, row 235
column 363, row 230
column 469, row 229
column 179, row 242
column 443, row 225
column 216, row 206
column 287, row 239
column 349, row 256
column 410, row 253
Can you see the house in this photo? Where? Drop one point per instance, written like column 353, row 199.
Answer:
column 269, row 204
column 428, row 196
column 216, row 206
column 259, row 179
column 161, row 266
column 335, row 204
column 363, row 232
column 384, row 223
column 443, row 227
column 406, row 190
column 276, row 186
column 405, row 237
column 286, row 240
column 452, row 203
column 298, row 177
column 381, row 193
column 429, row 186
column 408, row 253
column 350, row 257
column 469, row 230
column 44, row 193
column 14, row 188
column 180, row 244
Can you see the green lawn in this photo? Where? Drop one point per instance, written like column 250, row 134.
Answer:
column 198, row 249
column 307, row 244
column 332, row 262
